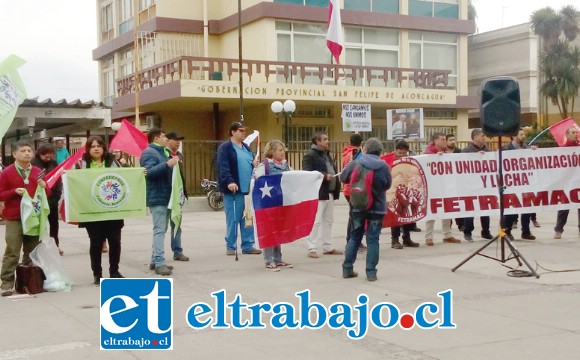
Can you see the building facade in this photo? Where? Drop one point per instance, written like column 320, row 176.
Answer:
column 397, row 54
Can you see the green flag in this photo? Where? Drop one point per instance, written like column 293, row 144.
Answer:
column 104, row 194
column 34, row 213
column 12, row 91
column 177, row 198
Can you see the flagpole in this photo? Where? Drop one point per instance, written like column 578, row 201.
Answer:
column 540, row 134
column 136, row 59
column 240, row 60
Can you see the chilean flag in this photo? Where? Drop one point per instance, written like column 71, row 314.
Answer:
column 558, row 130
column 285, row 206
column 334, row 33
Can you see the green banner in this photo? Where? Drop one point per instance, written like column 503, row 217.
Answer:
column 12, row 91
column 177, row 197
column 104, row 194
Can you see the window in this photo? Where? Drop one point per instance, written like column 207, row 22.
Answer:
column 106, row 17
column 381, row 6
column 448, row 9
column 125, row 16
column 300, row 42
column 146, row 4
column 372, row 47
column 430, row 130
column 126, row 62
column 436, row 51
column 108, row 78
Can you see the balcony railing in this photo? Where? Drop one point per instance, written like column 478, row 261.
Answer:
column 202, row 68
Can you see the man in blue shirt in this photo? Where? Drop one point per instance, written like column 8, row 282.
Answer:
column 235, row 165
column 61, row 151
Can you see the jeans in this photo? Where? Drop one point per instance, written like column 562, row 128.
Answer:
column 562, row 219
column 15, row 240
column 375, row 223
column 160, row 215
column 468, row 225
column 509, row 221
column 234, row 207
column 176, row 240
column 273, row 254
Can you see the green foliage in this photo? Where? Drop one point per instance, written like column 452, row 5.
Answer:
column 560, row 60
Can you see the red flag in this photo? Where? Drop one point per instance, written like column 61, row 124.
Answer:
column 129, row 139
column 53, row 176
column 334, row 33
column 558, row 130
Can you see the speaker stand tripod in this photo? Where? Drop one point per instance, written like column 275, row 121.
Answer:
column 501, row 236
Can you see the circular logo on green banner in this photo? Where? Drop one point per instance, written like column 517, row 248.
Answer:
column 110, row 191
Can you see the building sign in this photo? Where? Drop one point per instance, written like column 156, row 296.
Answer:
column 230, row 90
column 404, row 124
column 356, row 117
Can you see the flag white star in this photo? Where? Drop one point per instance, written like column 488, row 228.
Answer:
column 266, row 190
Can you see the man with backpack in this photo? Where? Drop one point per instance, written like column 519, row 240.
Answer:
column 370, row 178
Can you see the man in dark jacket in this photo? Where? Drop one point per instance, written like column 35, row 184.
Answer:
column 235, row 165
column 477, row 145
column 319, row 159
column 518, row 143
column 372, row 216
column 159, row 168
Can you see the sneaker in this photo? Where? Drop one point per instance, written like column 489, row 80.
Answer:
column 284, row 265
column 429, row 242
column 117, row 275
column 7, row 293
column 349, row 275
column 180, row 257
column 163, row 270
column 536, row 223
column 486, row 235
column 558, row 235
column 252, row 251
column 415, row 229
column 333, row 252
column 230, row 252
column 467, row 237
column 395, row 244
column 410, row 243
column 97, row 280
column 528, row 237
column 451, row 240
column 312, row 254
column 371, row 277
column 152, row 267
column 271, row 267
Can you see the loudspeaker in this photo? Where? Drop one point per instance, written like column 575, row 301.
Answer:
column 500, row 106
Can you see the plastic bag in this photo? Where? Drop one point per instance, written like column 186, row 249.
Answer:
column 46, row 256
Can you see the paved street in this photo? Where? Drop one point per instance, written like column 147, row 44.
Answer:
column 497, row 316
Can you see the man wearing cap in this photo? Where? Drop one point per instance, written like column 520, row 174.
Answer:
column 172, row 149
column 235, row 166
column 61, row 152
column 159, row 171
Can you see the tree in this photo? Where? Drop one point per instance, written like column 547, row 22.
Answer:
column 559, row 60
